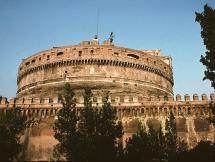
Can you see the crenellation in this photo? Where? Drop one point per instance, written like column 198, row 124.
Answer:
column 212, row 97
column 3, row 100
column 178, row 97
column 204, row 97
column 195, row 97
column 139, row 82
column 186, row 97
column 154, row 104
column 12, row 102
column 170, row 98
column 114, row 99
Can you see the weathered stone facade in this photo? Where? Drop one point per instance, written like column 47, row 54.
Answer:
column 139, row 83
column 115, row 69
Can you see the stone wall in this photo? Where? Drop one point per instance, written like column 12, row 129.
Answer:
column 91, row 64
column 139, row 83
column 190, row 114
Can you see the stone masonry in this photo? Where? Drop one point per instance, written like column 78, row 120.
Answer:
column 139, row 83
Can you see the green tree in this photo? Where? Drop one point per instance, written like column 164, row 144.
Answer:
column 87, row 128
column 170, row 127
column 65, row 127
column 137, row 146
column 211, row 118
column 175, row 147
column 90, row 136
column 154, row 145
column 171, row 135
column 204, row 151
column 12, row 127
column 108, row 133
column 99, row 131
column 207, row 21
column 146, row 146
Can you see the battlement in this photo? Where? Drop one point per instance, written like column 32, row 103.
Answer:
column 191, row 113
column 139, row 84
column 117, row 101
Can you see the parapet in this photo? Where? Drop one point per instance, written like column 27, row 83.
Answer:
column 204, row 97
column 115, row 100
column 3, row 101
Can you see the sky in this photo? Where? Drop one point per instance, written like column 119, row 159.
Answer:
column 30, row 26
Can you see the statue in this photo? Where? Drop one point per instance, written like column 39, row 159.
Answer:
column 96, row 37
column 111, row 37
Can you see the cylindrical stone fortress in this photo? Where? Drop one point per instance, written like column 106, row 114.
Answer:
column 101, row 67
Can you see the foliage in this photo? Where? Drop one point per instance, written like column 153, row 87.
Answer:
column 91, row 135
column 204, row 151
column 146, row 146
column 87, row 128
column 155, row 145
column 99, row 131
column 171, row 136
column 152, row 145
column 65, row 127
column 143, row 146
column 109, row 133
column 211, row 117
column 207, row 21
column 12, row 126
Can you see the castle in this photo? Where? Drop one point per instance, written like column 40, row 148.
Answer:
column 140, row 84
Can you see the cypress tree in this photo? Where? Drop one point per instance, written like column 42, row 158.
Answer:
column 87, row 128
column 12, row 126
column 65, row 127
column 207, row 21
column 109, row 133
column 171, row 136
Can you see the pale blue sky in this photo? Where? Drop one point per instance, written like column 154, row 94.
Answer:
column 30, row 26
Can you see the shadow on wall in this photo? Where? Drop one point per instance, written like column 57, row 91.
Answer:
column 40, row 141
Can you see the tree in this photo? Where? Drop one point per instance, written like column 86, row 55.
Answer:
column 109, row 133
column 204, row 151
column 207, row 21
column 211, row 118
column 154, row 145
column 137, row 147
column 146, row 146
column 176, row 149
column 87, row 128
column 12, row 126
column 90, row 136
column 171, row 135
column 99, row 131
column 65, row 127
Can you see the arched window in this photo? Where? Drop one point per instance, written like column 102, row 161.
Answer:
column 133, row 56
column 59, row 53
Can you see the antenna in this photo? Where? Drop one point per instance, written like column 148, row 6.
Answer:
column 97, row 27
